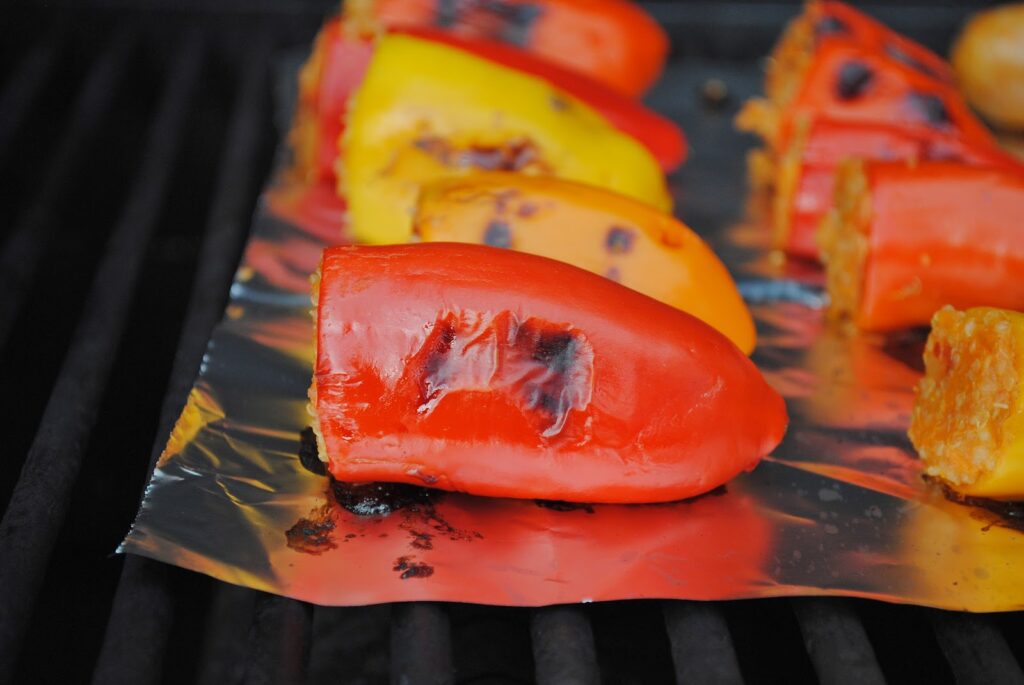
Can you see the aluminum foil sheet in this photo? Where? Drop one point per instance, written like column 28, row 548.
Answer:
column 840, row 508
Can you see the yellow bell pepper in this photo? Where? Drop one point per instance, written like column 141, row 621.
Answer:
column 592, row 228
column 968, row 420
column 427, row 111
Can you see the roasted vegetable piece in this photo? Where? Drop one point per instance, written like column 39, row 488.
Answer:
column 989, row 61
column 341, row 55
column 968, row 420
column 427, row 111
column 805, row 172
column 835, row 63
column 594, row 229
column 328, row 79
column 499, row 373
column 905, row 239
column 612, row 41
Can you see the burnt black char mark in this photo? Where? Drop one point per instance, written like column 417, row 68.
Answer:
column 380, row 499
column 309, row 455
column 929, row 108
column 559, row 505
column 555, row 350
column 854, row 79
column 619, row 240
column 313, row 534
column 438, row 347
column 407, row 568
column 447, row 13
column 1007, row 514
column 498, row 234
column 897, row 53
column 828, row 26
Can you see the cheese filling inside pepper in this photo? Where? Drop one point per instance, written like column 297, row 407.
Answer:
column 968, row 420
column 427, row 111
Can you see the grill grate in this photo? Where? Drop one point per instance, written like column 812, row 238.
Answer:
column 132, row 149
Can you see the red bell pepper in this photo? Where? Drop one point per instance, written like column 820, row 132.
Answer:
column 339, row 61
column 504, row 374
column 612, row 41
column 806, row 172
column 907, row 239
column 837, row 63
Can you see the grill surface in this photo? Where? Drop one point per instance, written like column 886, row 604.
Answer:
column 132, row 148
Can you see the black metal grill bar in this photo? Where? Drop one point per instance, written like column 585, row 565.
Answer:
column 141, row 613
column 279, row 642
column 39, row 501
column 421, row 644
column 21, row 91
column 836, row 642
column 23, row 248
column 224, row 642
column 702, row 647
column 563, row 647
column 975, row 650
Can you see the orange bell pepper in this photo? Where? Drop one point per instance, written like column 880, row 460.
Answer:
column 503, row 374
column 612, row 41
column 594, row 229
column 341, row 55
column 905, row 240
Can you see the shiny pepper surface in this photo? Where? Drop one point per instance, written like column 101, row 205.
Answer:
column 806, row 171
column 906, row 239
column 499, row 373
column 341, row 56
column 612, row 41
column 427, row 111
column 594, row 229
column 837, row 63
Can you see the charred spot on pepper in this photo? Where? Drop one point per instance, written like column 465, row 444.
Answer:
column 853, row 80
column 555, row 350
column 439, row 345
column 1005, row 514
column 380, row 499
column 421, row 540
column 897, row 54
column 447, row 13
column 559, row 505
column 828, row 26
column 309, row 453
column 498, row 234
column 407, row 568
column 314, row 533
column 526, row 210
column 514, row 155
column 930, row 108
column 559, row 103
column 619, row 240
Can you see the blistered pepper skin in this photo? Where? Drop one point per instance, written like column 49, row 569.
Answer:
column 503, row 374
column 594, row 229
column 939, row 233
column 612, row 41
column 341, row 56
column 802, row 204
column 848, row 67
column 427, row 111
